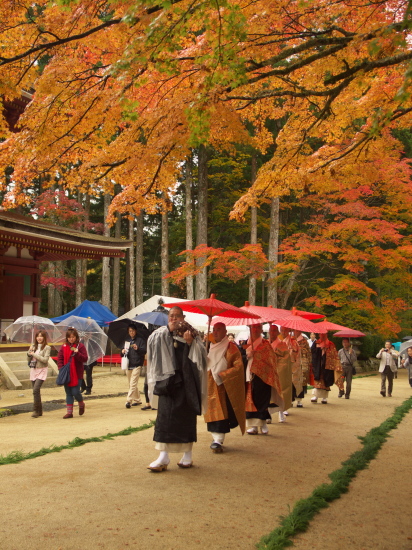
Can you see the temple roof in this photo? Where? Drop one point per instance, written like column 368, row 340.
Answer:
column 52, row 243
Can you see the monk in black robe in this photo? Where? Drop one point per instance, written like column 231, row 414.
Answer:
column 176, row 377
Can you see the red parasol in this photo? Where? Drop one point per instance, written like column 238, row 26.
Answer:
column 267, row 314
column 349, row 333
column 211, row 307
column 299, row 323
column 307, row 314
column 238, row 321
column 328, row 326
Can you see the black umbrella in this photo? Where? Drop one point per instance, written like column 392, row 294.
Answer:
column 118, row 333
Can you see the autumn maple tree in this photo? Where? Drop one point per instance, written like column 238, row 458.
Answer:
column 123, row 89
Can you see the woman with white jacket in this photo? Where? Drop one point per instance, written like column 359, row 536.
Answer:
column 38, row 354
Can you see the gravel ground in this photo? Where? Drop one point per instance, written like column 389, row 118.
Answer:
column 101, row 495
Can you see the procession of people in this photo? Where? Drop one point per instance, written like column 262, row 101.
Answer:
column 246, row 384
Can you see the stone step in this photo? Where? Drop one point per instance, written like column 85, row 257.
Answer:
column 14, row 356
column 24, row 372
column 50, row 382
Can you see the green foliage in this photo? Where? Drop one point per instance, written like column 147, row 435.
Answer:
column 371, row 344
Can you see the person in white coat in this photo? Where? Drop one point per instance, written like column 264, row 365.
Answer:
column 387, row 367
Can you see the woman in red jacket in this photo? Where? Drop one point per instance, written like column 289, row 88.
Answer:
column 75, row 352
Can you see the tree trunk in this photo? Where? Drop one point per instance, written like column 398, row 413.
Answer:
column 106, row 261
column 58, row 298
column 130, row 283
column 51, row 291
column 190, row 294
column 139, row 258
column 164, row 253
column 273, row 252
column 116, row 269
column 84, row 262
column 84, row 285
column 79, row 282
column 287, row 289
column 253, row 233
column 201, row 237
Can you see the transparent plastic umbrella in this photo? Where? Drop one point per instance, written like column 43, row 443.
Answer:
column 24, row 328
column 91, row 335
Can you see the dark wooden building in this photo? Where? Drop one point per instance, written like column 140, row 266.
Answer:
column 25, row 243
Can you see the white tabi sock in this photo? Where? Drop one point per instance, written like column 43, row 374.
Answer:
column 218, row 437
column 162, row 459
column 187, row 458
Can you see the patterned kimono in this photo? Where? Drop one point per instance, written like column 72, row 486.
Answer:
column 263, row 387
column 305, row 359
column 325, row 362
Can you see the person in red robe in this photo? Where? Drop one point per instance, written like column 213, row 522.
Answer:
column 262, row 381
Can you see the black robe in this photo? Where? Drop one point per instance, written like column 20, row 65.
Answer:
column 261, row 394
column 177, row 412
column 318, row 367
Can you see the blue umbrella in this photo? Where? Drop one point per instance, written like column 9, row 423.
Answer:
column 158, row 318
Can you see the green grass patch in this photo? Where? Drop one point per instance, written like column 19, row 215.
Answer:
column 18, row 456
column 305, row 509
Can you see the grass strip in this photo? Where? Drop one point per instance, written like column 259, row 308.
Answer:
column 18, row 456
column 305, row 509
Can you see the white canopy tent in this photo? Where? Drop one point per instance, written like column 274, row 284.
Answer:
column 197, row 320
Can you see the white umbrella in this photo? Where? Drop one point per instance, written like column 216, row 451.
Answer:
column 91, row 335
column 24, row 328
column 405, row 346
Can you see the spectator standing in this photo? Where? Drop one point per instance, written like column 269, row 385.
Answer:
column 407, row 363
column 387, row 367
column 347, row 358
column 135, row 351
column 86, row 386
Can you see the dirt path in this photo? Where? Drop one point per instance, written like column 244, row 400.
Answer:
column 102, row 496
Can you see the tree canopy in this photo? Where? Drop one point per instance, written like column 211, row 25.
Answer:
column 123, row 88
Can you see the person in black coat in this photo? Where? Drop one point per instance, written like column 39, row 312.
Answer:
column 135, row 350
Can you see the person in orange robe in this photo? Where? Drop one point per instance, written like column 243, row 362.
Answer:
column 225, row 388
column 284, row 369
column 262, row 381
column 294, row 351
